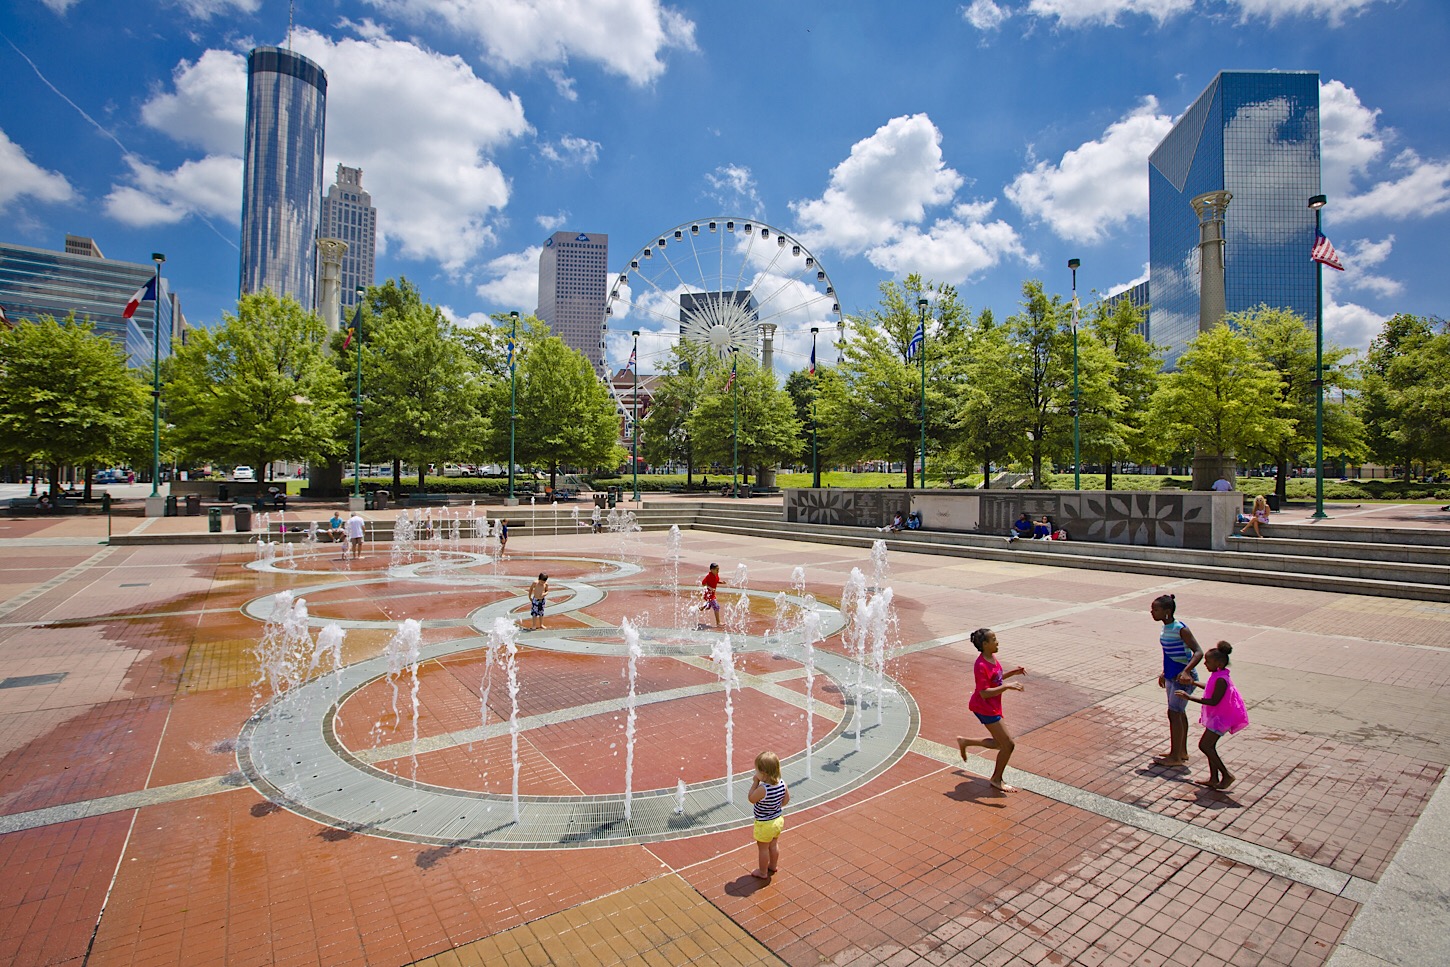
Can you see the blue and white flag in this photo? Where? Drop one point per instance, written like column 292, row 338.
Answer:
column 918, row 339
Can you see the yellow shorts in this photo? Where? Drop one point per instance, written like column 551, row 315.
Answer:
column 768, row 830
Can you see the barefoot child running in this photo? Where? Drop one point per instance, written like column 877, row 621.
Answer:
column 769, row 795
column 1181, row 654
column 986, row 705
column 711, row 581
column 538, row 592
column 1223, row 713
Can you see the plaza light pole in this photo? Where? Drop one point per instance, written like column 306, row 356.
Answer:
column 513, row 394
column 921, row 319
column 357, row 401
column 634, row 424
column 1076, row 438
column 815, row 458
column 1317, row 203
column 158, row 258
column 735, row 400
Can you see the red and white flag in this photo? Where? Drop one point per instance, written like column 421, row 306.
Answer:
column 147, row 293
column 1324, row 253
column 731, row 381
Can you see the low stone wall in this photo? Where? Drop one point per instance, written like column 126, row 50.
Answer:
column 1198, row 519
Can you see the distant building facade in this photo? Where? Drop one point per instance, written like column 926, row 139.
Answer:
column 36, row 282
column 1136, row 296
column 348, row 215
column 1254, row 134
column 573, row 271
column 282, row 173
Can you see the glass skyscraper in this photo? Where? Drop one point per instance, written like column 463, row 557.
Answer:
column 348, row 215
column 1254, row 134
column 35, row 283
column 572, row 277
column 282, row 173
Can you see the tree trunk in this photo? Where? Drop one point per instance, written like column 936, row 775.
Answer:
column 397, row 477
column 1108, row 474
column 1281, row 478
column 90, row 470
column 55, row 481
column 422, row 478
column 910, row 466
column 986, row 473
column 1036, row 463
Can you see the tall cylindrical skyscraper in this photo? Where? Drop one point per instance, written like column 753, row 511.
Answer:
column 282, row 173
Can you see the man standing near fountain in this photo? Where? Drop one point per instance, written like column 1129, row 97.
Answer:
column 538, row 591
column 355, row 535
column 711, row 581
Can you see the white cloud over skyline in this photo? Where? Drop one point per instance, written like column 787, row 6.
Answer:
column 22, row 178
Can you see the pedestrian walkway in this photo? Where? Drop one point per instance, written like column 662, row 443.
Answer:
column 142, row 820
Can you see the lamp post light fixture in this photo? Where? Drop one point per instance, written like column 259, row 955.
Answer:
column 513, row 394
column 158, row 258
column 634, row 420
column 815, row 458
column 1317, row 203
column 921, row 351
column 357, row 401
column 735, row 434
column 1076, row 437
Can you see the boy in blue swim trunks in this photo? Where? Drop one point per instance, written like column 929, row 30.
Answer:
column 538, row 591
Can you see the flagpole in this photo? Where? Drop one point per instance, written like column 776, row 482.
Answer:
column 921, row 312
column 1317, row 203
column 357, row 402
column 815, row 459
column 513, row 396
column 158, row 258
column 735, row 399
column 634, row 426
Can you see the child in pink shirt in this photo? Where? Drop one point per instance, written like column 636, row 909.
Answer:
column 986, row 705
column 1223, row 713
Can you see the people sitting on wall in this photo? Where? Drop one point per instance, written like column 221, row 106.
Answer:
column 913, row 521
column 897, row 523
column 43, row 504
column 1042, row 530
column 1021, row 528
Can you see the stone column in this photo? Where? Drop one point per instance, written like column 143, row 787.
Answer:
column 765, row 476
column 329, row 281
column 1212, row 307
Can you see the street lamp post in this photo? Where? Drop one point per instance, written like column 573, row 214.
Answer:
column 357, row 402
column 634, row 421
column 1076, row 438
column 921, row 321
column 815, row 459
column 158, row 258
column 1317, row 203
column 513, row 394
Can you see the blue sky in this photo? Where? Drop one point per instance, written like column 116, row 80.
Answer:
column 980, row 144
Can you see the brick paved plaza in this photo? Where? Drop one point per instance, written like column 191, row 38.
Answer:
column 144, row 820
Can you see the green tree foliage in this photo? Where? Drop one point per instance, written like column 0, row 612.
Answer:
column 1394, row 392
column 1120, row 430
column 1286, row 343
column 804, row 391
column 754, row 420
column 872, row 402
column 421, row 396
column 566, row 416
column 67, row 397
column 665, row 429
column 983, row 431
column 257, row 388
column 1224, row 399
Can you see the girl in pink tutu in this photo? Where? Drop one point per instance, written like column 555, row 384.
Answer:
column 1223, row 713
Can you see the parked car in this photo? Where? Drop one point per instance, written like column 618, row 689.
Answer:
column 244, row 475
column 110, row 476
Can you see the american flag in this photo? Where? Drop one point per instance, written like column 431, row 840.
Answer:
column 731, row 381
column 918, row 338
column 1323, row 252
column 630, row 365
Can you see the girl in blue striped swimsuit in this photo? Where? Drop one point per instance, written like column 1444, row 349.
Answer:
column 769, row 794
column 1181, row 655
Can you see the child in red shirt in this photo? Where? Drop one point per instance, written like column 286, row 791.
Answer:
column 711, row 581
column 986, row 705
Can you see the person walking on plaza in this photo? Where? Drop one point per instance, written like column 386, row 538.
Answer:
column 538, row 591
column 503, row 537
column 1181, row 655
column 986, row 705
column 769, row 795
column 1223, row 713
column 711, row 581
column 355, row 535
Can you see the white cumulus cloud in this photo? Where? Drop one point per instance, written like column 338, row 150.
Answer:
column 513, row 280
column 1082, row 13
column 625, row 37
column 22, row 178
column 1098, row 186
column 1421, row 189
column 571, row 150
column 985, row 15
column 210, row 186
column 207, row 106
column 1334, row 11
column 206, row 9
column 1349, row 139
column 733, row 189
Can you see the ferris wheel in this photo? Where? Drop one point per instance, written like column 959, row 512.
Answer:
column 724, row 283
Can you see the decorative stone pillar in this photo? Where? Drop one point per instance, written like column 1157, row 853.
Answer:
column 1212, row 307
column 765, row 476
column 329, row 281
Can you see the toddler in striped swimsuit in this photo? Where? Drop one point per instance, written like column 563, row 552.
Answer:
column 769, row 795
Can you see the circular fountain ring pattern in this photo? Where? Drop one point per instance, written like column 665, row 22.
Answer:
column 290, row 753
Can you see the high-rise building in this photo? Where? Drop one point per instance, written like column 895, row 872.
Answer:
column 36, row 282
column 1255, row 135
column 573, row 270
column 282, row 173
column 348, row 215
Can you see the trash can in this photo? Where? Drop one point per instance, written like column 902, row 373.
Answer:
column 223, row 493
column 370, row 502
column 193, row 505
column 242, row 515
column 170, row 506
column 1273, row 503
column 106, row 502
column 613, row 497
column 601, row 500
column 380, row 500
column 214, row 520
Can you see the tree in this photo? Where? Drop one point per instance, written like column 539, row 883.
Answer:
column 753, row 419
column 566, row 416
column 873, row 402
column 982, row 429
column 258, row 388
column 1421, row 403
column 1388, row 437
column 420, row 393
column 67, row 397
column 1286, row 343
column 1124, row 430
column 1224, row 398
column 804, row 391
column 665, row 430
